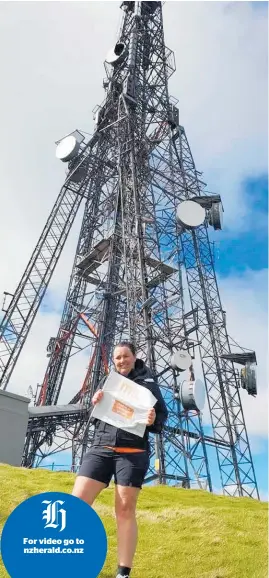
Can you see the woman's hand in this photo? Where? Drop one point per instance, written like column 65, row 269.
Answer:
column 97, row 397
column 151, row 416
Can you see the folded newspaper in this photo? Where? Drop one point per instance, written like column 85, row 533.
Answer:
column 125, row 404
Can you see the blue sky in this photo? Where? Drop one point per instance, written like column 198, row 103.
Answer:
column 261, row 471
column 221, row 82
column 249, row 249
column 260, row 6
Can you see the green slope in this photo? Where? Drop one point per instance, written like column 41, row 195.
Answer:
column 182, row 533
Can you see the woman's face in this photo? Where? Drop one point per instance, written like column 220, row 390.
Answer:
column 124, row 360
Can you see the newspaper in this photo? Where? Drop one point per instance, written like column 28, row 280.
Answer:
column 125, row 404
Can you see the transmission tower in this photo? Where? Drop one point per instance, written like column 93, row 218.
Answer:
column 143, row 252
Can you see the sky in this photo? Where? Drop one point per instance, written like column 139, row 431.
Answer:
column 51, row 58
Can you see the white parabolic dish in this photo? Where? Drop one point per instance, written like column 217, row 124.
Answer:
column 181, row 360
column 111, row 57
column 190, row 214
column 66, row 148
column 193, row 395
column 115, row 53
column 199, row 393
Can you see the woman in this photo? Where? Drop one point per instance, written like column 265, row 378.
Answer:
column 122, row 454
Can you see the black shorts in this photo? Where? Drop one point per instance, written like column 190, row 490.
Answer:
column 101, row 464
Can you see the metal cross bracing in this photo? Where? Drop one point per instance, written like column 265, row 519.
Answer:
column 126, row 280
column 228, row 424
column 234, row 460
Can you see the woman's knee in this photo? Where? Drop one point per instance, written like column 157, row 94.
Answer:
column 125, row 512
column 125, row 503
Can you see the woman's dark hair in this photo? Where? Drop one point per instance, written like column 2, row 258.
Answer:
column 128, row 344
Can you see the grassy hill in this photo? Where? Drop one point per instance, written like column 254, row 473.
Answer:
column 182, row 533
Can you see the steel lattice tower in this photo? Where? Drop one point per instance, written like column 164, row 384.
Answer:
column 134, row 263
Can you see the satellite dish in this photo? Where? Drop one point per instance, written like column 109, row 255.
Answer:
column 98, row 116
column 67, row 148
column 192, row 395
column 216, row 216
column 190, row 214
column 116, row 54
column 249, row 378
column 181, row 360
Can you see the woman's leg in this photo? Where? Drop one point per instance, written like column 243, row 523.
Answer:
column 125, row 507
column 94, row 475
column 130, row 471
column 87, row 489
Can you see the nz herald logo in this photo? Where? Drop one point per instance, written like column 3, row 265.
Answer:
column 54, row 515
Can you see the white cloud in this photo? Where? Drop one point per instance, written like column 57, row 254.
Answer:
column 221, row 82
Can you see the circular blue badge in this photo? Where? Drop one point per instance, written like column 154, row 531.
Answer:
column 53, row 534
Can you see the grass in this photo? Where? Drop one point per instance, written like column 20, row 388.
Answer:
column 182, row 533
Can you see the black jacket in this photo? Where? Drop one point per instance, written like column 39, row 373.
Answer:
column 108, row 435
